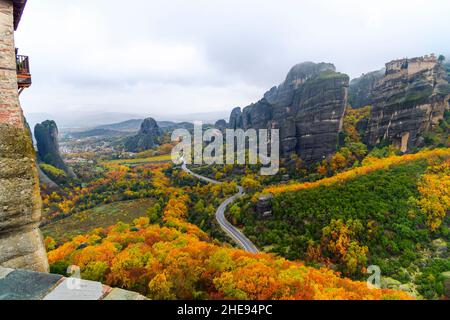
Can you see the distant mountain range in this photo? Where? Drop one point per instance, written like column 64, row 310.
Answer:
column 80, row 120
column 97, row 133
column 124, row 128
column 83, row 121
column 131, row 125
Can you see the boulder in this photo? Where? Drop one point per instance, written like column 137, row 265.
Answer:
column 322, row 102
column 264, row 205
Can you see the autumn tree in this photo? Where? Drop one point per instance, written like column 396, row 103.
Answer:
column 340, row 240
column 250, row 183
column 434, row 188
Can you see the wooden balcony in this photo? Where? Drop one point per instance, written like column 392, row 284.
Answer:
column 23, row 72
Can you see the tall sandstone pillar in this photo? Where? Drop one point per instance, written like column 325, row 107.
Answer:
column 21, row 244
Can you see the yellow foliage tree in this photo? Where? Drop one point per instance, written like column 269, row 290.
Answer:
column 434, row 188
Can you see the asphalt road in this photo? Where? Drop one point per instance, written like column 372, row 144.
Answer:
column 226, row 226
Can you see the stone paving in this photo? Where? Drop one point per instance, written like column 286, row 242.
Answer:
column 29, row 285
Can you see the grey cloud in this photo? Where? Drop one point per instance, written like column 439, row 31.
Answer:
column 182, row 56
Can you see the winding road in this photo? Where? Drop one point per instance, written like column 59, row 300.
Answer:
column 226, row 226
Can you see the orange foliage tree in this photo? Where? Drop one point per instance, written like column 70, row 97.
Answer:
column 166, row 263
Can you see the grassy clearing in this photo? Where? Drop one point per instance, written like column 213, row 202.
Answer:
column 98, row 217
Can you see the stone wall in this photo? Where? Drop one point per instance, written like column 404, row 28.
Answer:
column 10, row 112
column 21, row 244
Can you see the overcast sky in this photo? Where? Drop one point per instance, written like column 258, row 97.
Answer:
column 164, row 58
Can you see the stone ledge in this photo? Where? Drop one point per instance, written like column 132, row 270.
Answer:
column 29, row 285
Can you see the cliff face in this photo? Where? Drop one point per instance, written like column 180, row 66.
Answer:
column 447, row 69
column 147, row 137
column 408, row 101
column 307, row 108
column 409, row 98
column 21, row 244
column 322, row 104
column 361, row 89
column 221, row 124
column 283, row 95
column 46, row 135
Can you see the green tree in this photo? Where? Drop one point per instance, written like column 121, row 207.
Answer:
column 154, row 212
column 235, row 211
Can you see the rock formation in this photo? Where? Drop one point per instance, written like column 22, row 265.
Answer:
column 361, row 89
column 447, row 69
column 408, row 101
column 264, row 205
column 43, row 177
column 46, row 135
column 235, row 119
column 409, row 98
column 221, row 125
column 147, row 138
column 21, row 244
column 322, row 104
column 308, row 108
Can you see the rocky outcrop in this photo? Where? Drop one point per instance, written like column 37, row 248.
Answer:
column 408, row 101
column 283, row 95
column 147, row 138
column 257, row 115
column 46, row 135
column 322, row 104
column 361, row 89
column 221, row 125
column 236, row 119
column 408, row 97
column 264, row 205
column 307, row 108
column 447, row 69
column 44, row 179
column 21, row 244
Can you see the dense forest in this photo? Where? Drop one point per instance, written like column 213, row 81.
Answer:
column 390, row 212
column 354, row 210
column 175, row 259
column 142, row 225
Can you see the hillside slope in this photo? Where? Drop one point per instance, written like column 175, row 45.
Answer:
column 391, row 212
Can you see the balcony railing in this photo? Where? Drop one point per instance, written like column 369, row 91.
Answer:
column 23, row 72
column 23, row 64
